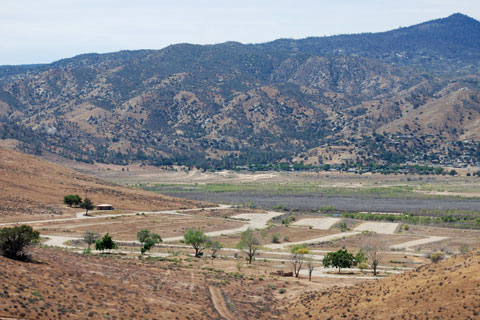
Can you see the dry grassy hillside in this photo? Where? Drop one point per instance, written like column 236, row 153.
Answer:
column 446, row 290
column 33, row 186
column 61, row 285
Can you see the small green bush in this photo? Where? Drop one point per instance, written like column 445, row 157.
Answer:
column 437, row 256
column 276, row 238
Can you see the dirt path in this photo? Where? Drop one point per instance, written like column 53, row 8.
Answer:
column 220, row 304
column 82, row 216
column 255, row 221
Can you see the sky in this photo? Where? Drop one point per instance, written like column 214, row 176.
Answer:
column 43, row 31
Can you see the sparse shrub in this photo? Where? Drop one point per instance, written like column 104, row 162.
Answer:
column 437, row 256
column 106, row 243
column 239, row 266
column 90, row 237
column 464, row 248
column 343, row 226
column 405, row 227
column 327, row 209
column 280, row 207
column 362, row 266
column 360, row 257
column 286, row 238
column 87, row 251
column 14, row 240
column 214, row 246
column 276, row 238
column 282, row 290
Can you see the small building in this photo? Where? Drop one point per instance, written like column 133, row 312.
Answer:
column 105, row 207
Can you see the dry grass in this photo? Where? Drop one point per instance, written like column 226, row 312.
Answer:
column 65, row 285
column 31, row 186
column 447, row 290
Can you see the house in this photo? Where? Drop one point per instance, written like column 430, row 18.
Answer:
column 104, row 207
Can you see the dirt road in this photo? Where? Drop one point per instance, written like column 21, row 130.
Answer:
column 220, row 304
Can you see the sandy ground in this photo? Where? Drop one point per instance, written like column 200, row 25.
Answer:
column 318, row 223
column 331, row 237
column 410, row 244
column 378, row 227
column 251, row 220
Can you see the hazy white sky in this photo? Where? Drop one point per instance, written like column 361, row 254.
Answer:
column 39, row 31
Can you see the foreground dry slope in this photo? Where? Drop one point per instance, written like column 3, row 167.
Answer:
column 33, row 186
column 63, row 285
column 447, row 290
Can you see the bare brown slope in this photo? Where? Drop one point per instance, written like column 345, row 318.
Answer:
column 32, row 186
column 454, row 117
column 64, row 285
column 447, row 290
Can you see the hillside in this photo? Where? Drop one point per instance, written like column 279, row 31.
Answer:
column 62, row 285
column 226, row 105
column 31, row 186
column 446, row 290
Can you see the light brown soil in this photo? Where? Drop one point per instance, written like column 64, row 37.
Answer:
column 356, row 242
column 63, row 285
column 293, row 234
column 126, row 228
column 31, row 186
column 447, row 290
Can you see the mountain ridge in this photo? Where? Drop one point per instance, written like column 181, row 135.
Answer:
column 230, row 104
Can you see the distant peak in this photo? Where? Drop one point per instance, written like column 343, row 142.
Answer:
column 460, row 17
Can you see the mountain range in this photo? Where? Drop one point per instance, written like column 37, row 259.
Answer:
column 406, row 95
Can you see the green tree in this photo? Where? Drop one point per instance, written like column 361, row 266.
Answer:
column 338, row 259
column 87, row 204
column 298, row 253
column 249, row 243
column 143, row 235
column 214, row 246
column 148, row 240
column 360, row 257
column 197, row 239
column 72, row 199
column 105, row 243
column 14, row 240
column 90, row 237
